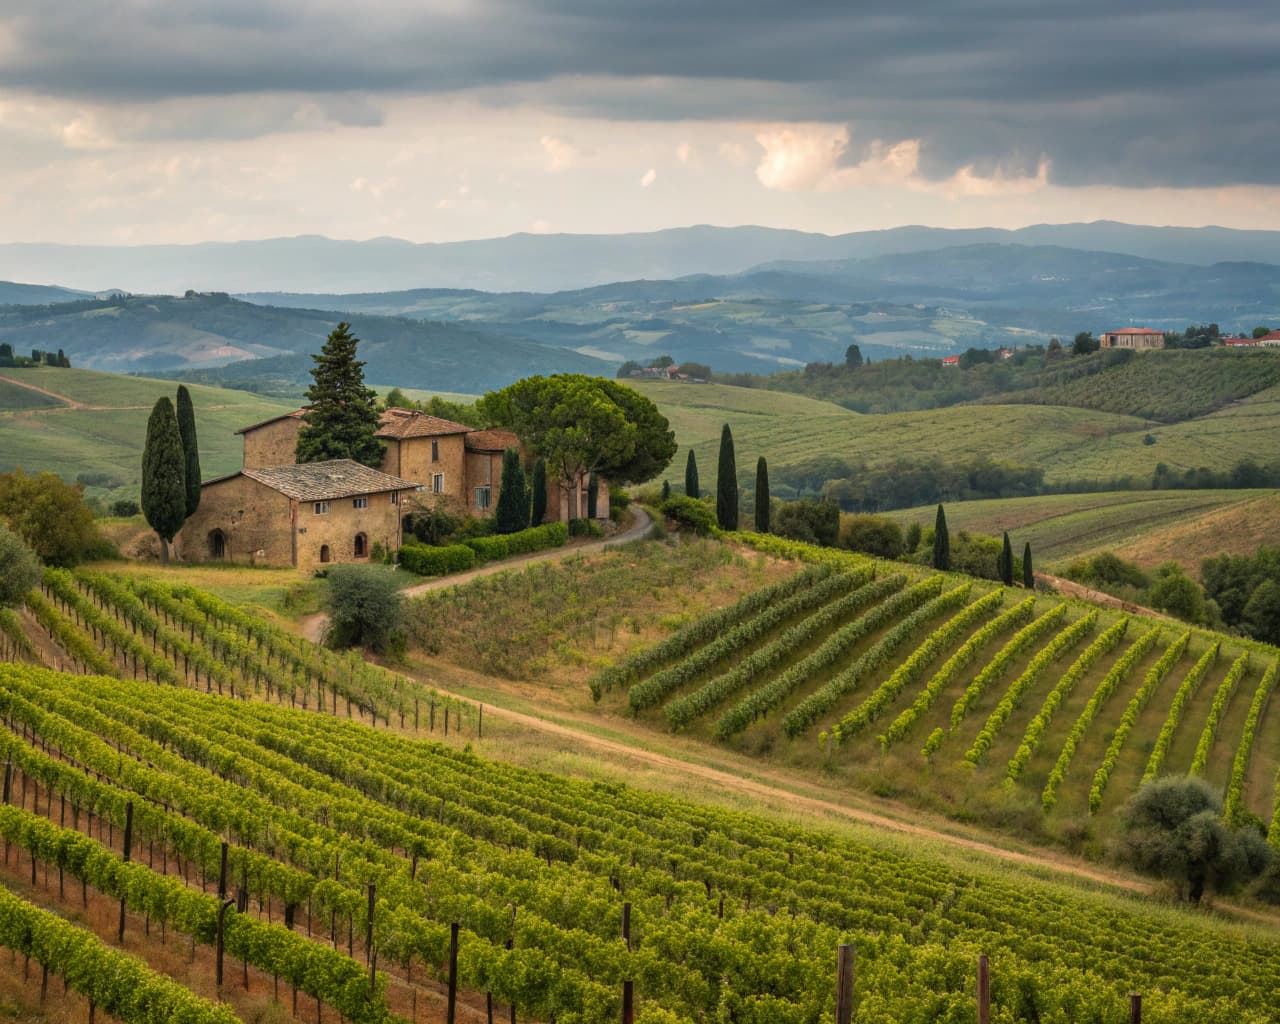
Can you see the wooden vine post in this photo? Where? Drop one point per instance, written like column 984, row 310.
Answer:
column 1135, row 1008
column 844, row 983
column 218, row 943
column 453, row 973
column 128, row 850
column 628, row 987
column 984, row 989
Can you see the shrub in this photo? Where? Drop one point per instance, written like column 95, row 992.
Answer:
column 433, row 525
column 812, row 522
column 51, row 516
column 584, row 528
column 19, row 569
column 429, row 561
column 690, row 514
column 365, row 608
column 125, row 509
column 535, row 538
column 873, row 535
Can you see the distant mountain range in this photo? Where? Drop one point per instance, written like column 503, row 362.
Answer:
column 777, row 314
column 218, row 339
column 526, row 262
column 15, row 294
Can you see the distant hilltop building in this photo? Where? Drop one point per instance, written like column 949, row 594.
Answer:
column 274, row 511
column 1269, row 340
column 1132, row 337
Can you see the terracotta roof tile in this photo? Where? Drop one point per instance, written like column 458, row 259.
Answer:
column 321, row 481
column 491, row 440
column 401, row 423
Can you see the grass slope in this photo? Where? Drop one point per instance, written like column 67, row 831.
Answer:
column 1071, row 444
column 1148, row 526
column 102, row 426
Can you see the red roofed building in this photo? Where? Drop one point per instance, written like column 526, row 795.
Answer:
column 1132, row 337
column 1269, row 340
column 950, row 360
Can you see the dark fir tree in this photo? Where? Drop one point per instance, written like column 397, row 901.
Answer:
column 1028, row 573
column 727, row 483
column 941, row 542
column 666, row 489
column 539, row 510
column 343, row 414
column 190, row 448
column 691, row 487
column 593, row 496
column 513, row 497
column 164, row 491
column 1006, row 562
column 762, row 496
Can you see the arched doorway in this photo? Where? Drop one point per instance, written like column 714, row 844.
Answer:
column 361, row 546
column 324, row 553
column 217, row 545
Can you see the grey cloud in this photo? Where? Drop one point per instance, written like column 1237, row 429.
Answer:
column 1138, row 93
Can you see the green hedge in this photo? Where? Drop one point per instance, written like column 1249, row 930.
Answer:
column 523, row 542
column 429, row 561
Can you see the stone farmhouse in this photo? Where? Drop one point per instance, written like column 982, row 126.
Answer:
column 1132, row 337
column 274, row 512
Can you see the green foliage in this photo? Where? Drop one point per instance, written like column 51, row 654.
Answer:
column 1021, row 686
column 872, row 535
column 1181, row 698
column 941, row 542
column 19, row 568
column 950, row 669
column 727, row 483
column 691, row 488
column 1246, row 591
column 126, row 508
column 538, row 493
column 456, row 412
column 1119, row 671
column 1130, row 718
column 1109, row 572
column 190, row 448
column 762, row 509
column 164, row 489
column 809, row 522
column 1028, row 572
column 365, row 608
column 1175, row 592
column 1233, row 806
column 593, row 496
column 690, row 514
column 1174, row 831
column 701, row 631
column 1084, row 344
column 584, row 528
column 342, row 413
column 526, row 541
column 853, row 357
column 1222, row 697
column 1006, row 562
column 512, row 513
column 582, row 425
column 433, row 561
column 919, row 659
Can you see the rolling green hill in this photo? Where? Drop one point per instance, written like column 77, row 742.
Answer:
column 1064, row 527
column 99, row 425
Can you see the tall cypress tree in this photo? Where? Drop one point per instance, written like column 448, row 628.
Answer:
column 343, row 413
column 691, row 487
column 727, row 483
column 164, row 492
column 190, row 448
column 539, row 510
column 1028, row 573
column 666, row 489
column 941, row 542
column 762, row 496
column 593, row 495
column 513, row 498
column 1006, row 562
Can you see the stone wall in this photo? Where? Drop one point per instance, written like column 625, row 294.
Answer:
column 337, row 529
column 254, row 521
column 273, row 444
column 410, row 459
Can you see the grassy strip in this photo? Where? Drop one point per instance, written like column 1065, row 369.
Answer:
column 1233, row 804
column 1220, row 700
column 1180, row 701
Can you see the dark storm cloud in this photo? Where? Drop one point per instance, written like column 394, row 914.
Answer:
column 1170, row 93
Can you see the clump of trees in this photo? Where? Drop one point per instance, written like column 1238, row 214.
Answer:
column 171, row 479
column 9, row 358
column 365, row 608
column 51, row 517
column 458, row 412
column 1174, row 830
column 19, row 568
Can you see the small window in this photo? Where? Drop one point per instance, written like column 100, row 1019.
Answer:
column 437, row 483
column 395, row 497
column 482, row 498
column 322, row 508
column 435, row 451
column 359, row 502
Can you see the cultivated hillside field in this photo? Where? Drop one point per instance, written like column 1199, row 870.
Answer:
column 98, row 423
column 366, row 834
column 1149, row 527
column 1070, row 443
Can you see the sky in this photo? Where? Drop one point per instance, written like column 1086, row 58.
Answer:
column 139, row 121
